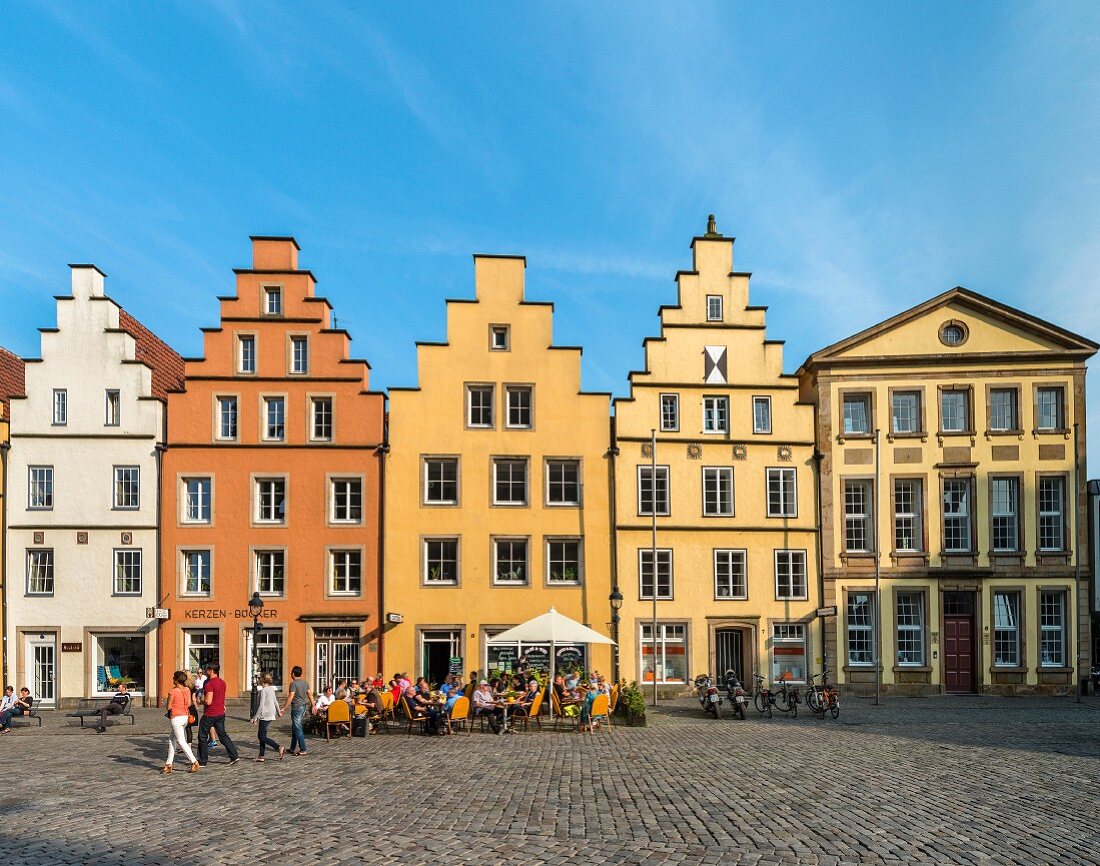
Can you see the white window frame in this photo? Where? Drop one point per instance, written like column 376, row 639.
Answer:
column 185, row 572
column 270, row 402
column 915, row 515
column 664, row 554
column 427, row 480
column 552, row 484
column 512, row 503
column 918, row 628
column 60, row 407
column 112, row 408
column 264, row 568
column 720, row 478
column 115, row 499
column 1007, row 513
column 660, row 643
column 787, row 505
column 960, row 424
column 511, row 391
column 662, row 475
column 789, row 634
column 50, row 577
column 792, row 555
column 1051, row 516
column 715, row 308
column 276, row 293
column 505, row 344
column 121, row 555
column 1059, row 422
column 344, row 554
column 854, row 397
column 572, row 539
column 716, row 414
column 299, row 360
column 223, row 401
column 765, row 401
column 895, row 417
column 962, row 516
column 319, row 405
column 204, row 514
column 259, row 484
column 1052, row 626
column 738, row 584
column 670, row 420
column 249, row 368
column 480, row 388
column 864, row 626
column 859, row 522
column 45, row 485
column 1007, row 630
column 525, row 577
column 425, row 566
column 996, row 424
column 349, row 482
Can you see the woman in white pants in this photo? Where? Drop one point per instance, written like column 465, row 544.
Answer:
column 179, row 705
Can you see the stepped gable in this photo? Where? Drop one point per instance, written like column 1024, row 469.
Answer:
column 165, row 362
column 12, row 379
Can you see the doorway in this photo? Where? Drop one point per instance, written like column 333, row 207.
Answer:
column 729, row 653
column 41, row 663
column 336, row 651
column 958, row 643
column 438, row 648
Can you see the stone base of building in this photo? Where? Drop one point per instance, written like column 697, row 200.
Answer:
column 863, row 690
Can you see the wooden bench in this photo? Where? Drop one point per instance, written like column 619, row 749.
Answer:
column 99, row 704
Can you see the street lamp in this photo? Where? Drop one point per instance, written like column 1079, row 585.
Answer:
column 616, row 599
column 255, row 608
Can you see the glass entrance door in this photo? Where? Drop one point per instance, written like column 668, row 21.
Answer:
column 336, row 653
column 41, row 662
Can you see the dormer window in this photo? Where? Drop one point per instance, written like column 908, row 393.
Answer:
column 498, row 338
column 273, row 301
column 714, row 308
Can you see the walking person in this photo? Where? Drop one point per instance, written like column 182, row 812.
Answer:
column 267, row 711
column 179, row 704
column 299, row 698
column 213, row 717
column 197, row 684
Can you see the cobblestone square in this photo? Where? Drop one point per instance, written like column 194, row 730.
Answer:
column 937, row 780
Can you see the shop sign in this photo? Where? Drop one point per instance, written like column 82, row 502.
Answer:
column 156, row 612
column 827, row 611
column 221, row 613
column 72, row 647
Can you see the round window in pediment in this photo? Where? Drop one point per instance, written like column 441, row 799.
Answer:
column 953, row 333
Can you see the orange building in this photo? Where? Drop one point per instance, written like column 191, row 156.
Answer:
column 271, row 484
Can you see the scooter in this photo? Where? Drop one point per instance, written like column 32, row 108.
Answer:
column 737, row 694
column 709, row 699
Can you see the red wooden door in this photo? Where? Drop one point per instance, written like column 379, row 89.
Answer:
column 958, row 654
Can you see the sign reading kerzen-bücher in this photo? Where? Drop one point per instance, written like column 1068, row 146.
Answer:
column 216, row 613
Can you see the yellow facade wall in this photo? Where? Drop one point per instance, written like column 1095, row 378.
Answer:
column 718, row 631
column 433, row 421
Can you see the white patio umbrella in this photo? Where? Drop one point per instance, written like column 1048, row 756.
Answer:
column 553, row 628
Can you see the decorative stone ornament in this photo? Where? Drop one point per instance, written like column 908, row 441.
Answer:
column 784, row 453
column 695, row 451
column 647, row 449
column 740, row 451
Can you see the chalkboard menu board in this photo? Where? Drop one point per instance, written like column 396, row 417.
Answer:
column 455, row 668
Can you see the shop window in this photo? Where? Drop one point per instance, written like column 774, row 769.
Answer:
column 664, row 658
column 119, row 657
column 789, row 652
column 201, row 648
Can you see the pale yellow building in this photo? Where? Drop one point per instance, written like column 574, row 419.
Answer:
column 736, row 568
column 496, row 490
column 975, row 503
column 11, row 385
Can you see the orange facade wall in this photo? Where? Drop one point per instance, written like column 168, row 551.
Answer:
column 310, row 612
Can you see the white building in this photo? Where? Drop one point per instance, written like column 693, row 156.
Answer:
column 83, row 498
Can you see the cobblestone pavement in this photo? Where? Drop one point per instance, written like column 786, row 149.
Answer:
column 937, row 781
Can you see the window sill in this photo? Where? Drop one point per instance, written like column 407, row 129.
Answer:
column 947, row 434
column 918, row 669
column 870, row 669
column 443, row 583
column 563, row 505
column 1053, row 431
column 916, row 555
column 1019, row 434
column 791, row 598
column 1051, row 670
column 917, row 435
column 997, row 669
column 843, row 436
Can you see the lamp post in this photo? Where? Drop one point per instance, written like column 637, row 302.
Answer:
column 616, row 599
column 255, row 608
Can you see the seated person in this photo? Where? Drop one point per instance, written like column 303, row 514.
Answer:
column 8, row 701
column 572, row 681
column 446, row 686
column 485, row 705
column 517, row 684
column 20, row 707
column 119, row 703
column 588, row 698
column 324, row 702
column 420, row 705
column 354, row 688
column 379, row 682
column 496, row 685
column 565, row 697
column 372, row 702
column 527, row 699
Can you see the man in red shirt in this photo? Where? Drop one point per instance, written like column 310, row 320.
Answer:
column 213, row 698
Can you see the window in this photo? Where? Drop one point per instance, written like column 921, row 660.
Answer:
column 40, row 572
column 789, row 651
column 518, row 400
column 347, row 500
column 274, row 419
column 790, row 574
column 1004, row 503
column 1052, row 629
column 273, row 301
column 956, row 515
column 60, row 407
column 1050, row 409
column 663, row 659
column 953, row 334
column 299, row 355
column 197, row 500
column 322, row 418
column 479, row 403
column 270, row 572
column 127, row 487
column 563, row 482
column 670, row 412
column 857, row 414
column 782, row 498
column 270, row 500
column 858, row 525
column 246, row 353
column 196, row 572
column 268, row 653
column 716, row 414
column 202, row 649
column 761, row 414
column 441, row 560
column 861, row 628
column 1052, row 504
column 346, row 572
column 910, row 628
column 652, row 492
column 1003, row 410
column 908, row 515
column 954, row 411
column 714, row 308
column 510, row 561
column 441, row 480
column 717, row 491
column 125, row 650
column 113, row 409
column 498, row 338
column 564, row 562
column 40, row 487
column 645, row 573
column 729, row 574
column 905, row 412
column 127, row 572
column 1006, row 629
column 227, row 417
column 510, row 481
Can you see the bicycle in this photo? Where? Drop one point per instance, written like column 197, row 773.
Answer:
column 785, row 699
column 820, row 698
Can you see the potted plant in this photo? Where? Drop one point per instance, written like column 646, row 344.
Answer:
column 634, row 703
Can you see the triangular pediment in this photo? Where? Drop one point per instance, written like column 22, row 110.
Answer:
column 988, row 328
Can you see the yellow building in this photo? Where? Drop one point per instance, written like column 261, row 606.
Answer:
column 496, row 489
column 11, row 385
column 736, row 569
column 976, row 413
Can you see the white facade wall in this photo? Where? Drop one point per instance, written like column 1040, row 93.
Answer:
column 86, row 356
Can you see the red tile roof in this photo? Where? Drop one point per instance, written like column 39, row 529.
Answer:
column 167, row 365
column 12, row 380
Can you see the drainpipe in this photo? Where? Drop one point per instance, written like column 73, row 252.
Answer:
column 160, row 448
column 1077, row 680
column 383, row 455
column 4, row 448
column 817, row 458
column 612, row 453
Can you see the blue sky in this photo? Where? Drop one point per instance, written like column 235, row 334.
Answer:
column 866, row 156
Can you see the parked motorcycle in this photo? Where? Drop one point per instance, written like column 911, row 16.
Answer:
column 709, row 699
column 736, row 693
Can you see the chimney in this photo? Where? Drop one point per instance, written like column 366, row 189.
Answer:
column 270, row 253
column 87, row 281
